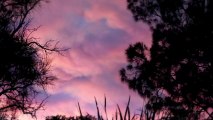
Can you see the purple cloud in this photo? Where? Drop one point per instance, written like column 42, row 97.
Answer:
column 98, row 32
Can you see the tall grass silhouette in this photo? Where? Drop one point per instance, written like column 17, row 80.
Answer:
column 119, row 114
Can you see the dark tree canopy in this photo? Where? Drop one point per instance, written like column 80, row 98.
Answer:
column 23, row 69
column 176, row 74
column 62, row 117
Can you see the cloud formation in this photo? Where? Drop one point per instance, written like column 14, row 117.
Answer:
column 98, row 32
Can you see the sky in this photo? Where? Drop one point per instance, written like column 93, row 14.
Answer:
column 97, row 32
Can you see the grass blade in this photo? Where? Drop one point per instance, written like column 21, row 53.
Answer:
column 79, row 108
column 116, row 115
column 98, row 112
column 105, row 107
column 134, row 117
column 120, row 113
column 127, row 112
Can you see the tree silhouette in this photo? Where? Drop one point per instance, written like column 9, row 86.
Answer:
column 58, row 117
column 62, row 117
column 3, row 116
column 23, row 64
column 175, row 75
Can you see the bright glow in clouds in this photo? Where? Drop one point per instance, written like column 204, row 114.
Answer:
column 98, row 32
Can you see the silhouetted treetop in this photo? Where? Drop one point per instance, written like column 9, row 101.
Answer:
column 62, row 117
column 24, row 69
column 14, row 13
column 171, row 13
column 176, row 73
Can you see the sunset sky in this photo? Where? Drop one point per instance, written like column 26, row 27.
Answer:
column 97, row 33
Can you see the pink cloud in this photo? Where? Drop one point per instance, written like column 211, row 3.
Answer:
column 98, row 32
column 117, row 16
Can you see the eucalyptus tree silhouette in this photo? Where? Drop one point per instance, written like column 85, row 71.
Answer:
column 23, row 63
column 175, row 75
